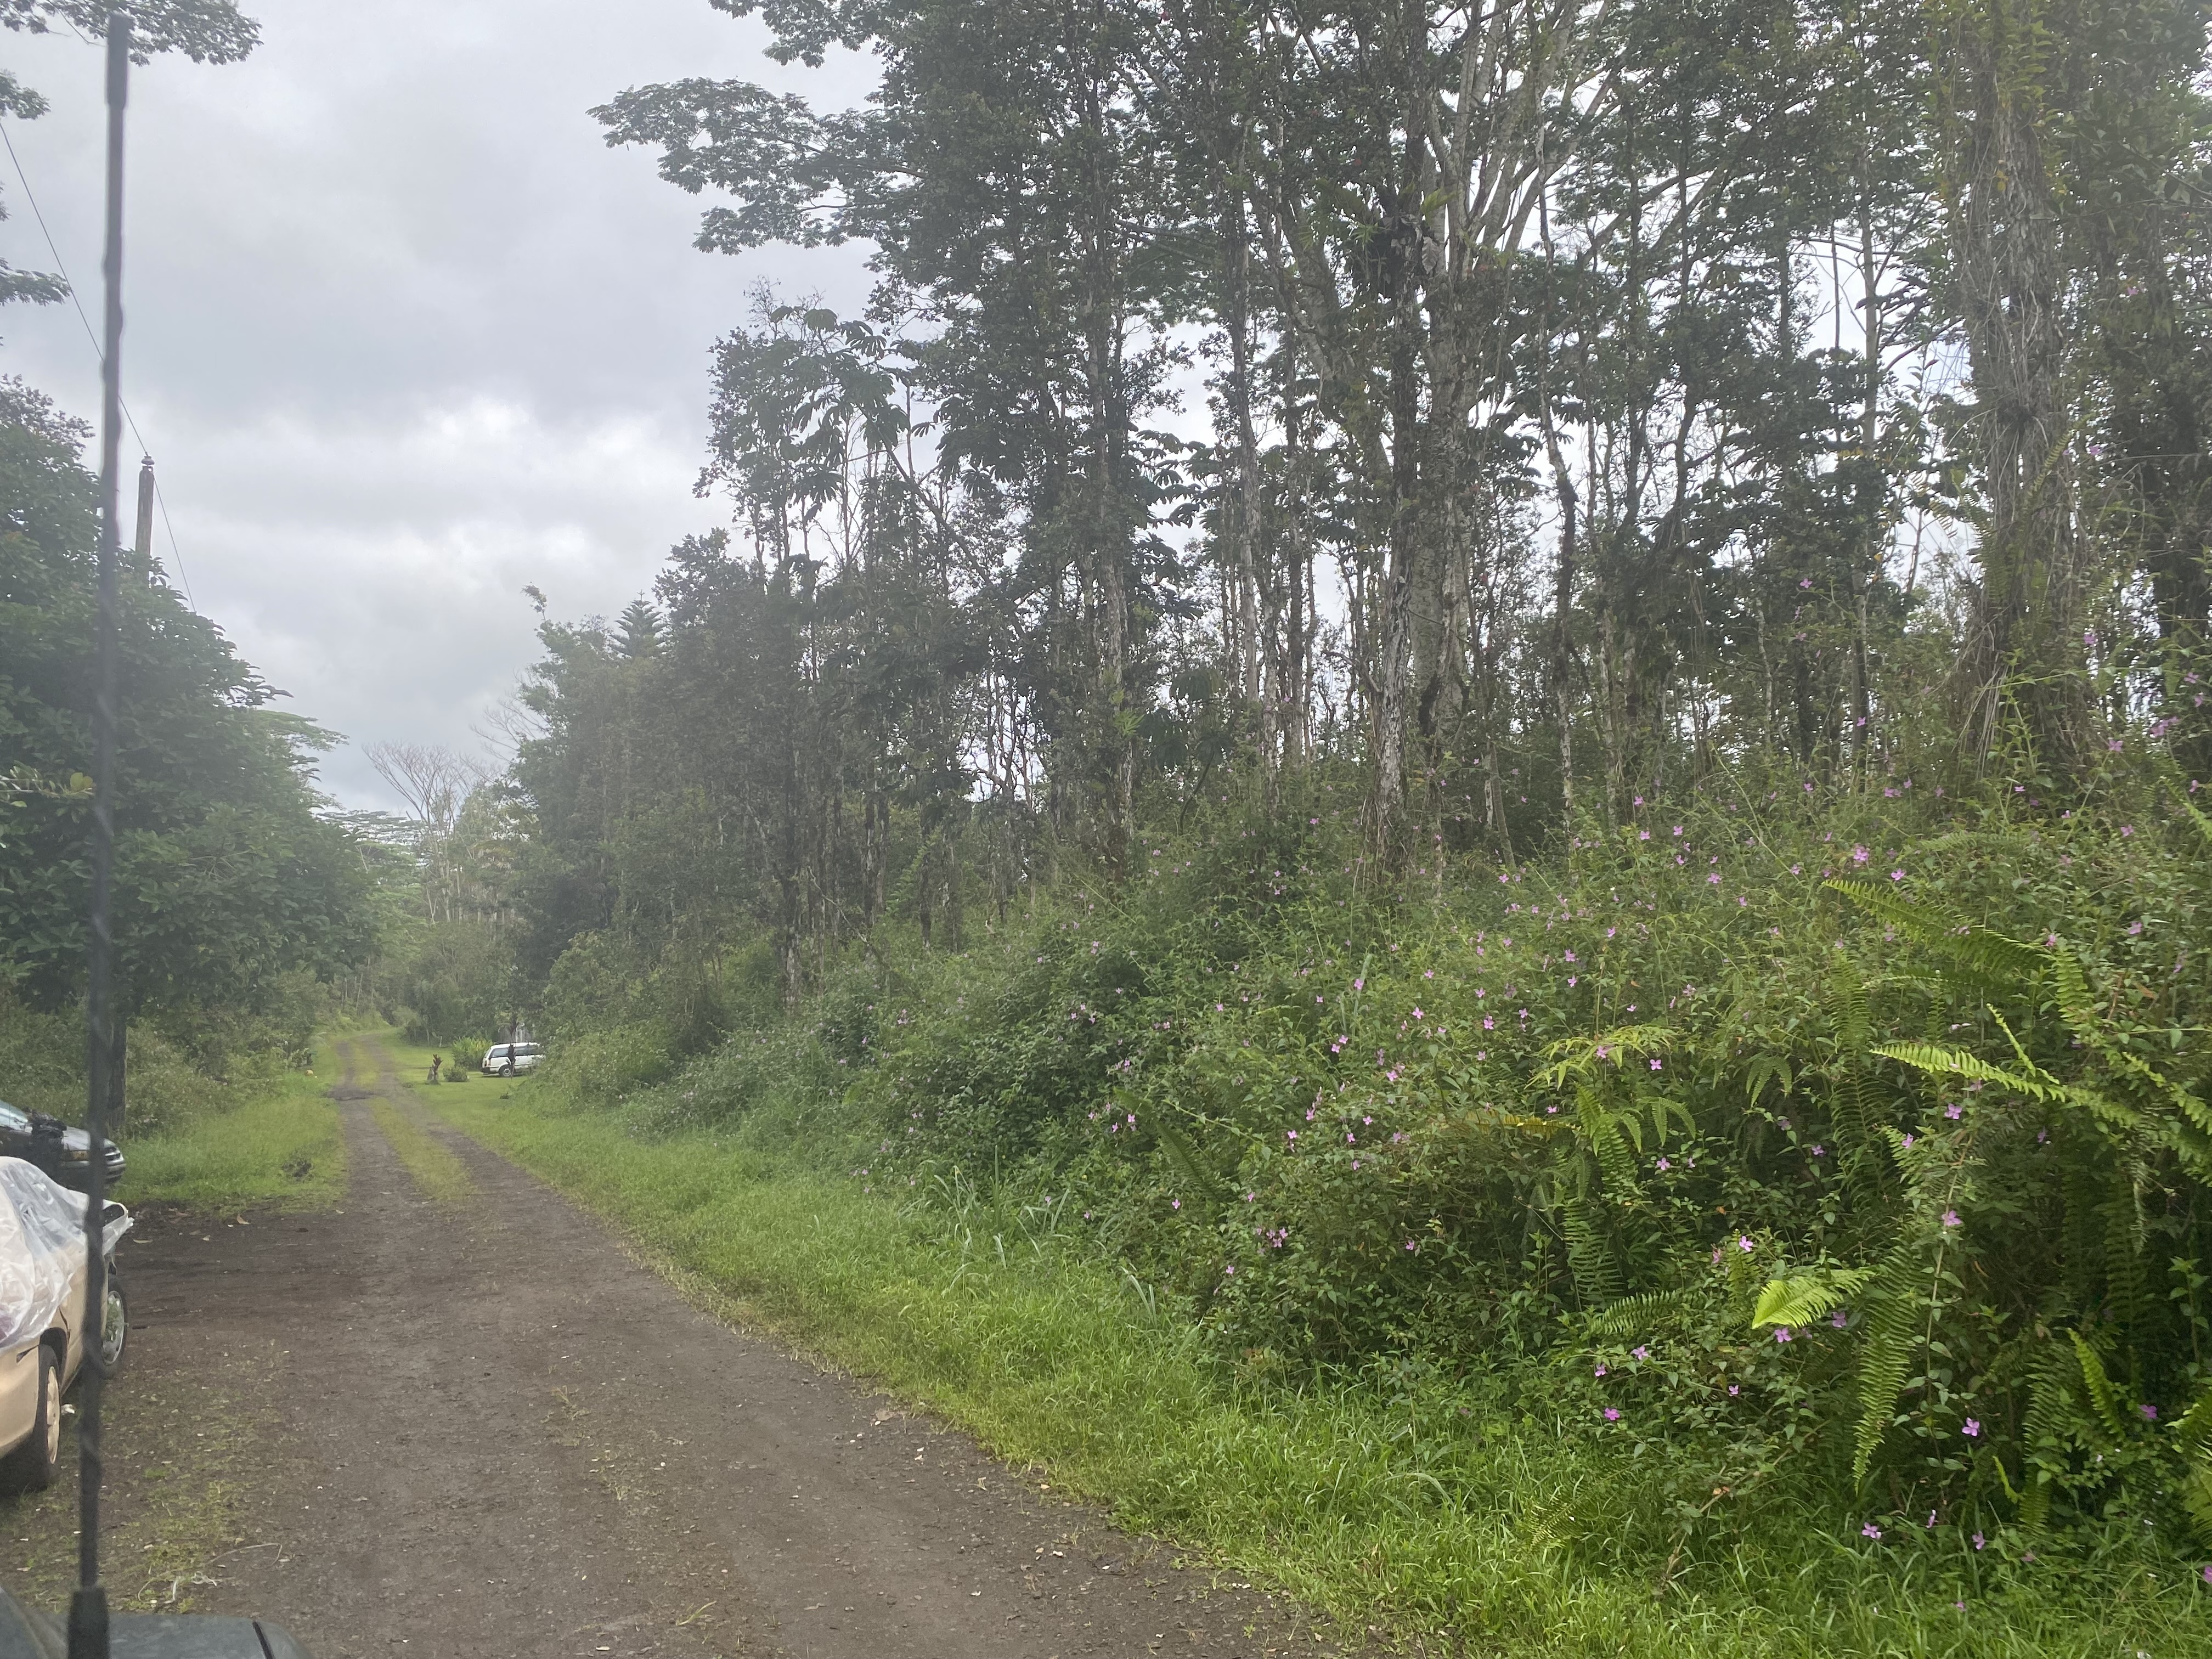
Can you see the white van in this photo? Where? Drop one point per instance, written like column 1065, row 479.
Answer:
column 506, row 1058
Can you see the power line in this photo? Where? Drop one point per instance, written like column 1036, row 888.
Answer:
column 176, row 554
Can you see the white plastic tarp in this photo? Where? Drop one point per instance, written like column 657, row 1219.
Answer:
column 41, row 1247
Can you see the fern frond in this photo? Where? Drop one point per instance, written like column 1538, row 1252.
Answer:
column 1892, row 1340
column 1575, row 1057
column 2104, row 1398
column 1943, row 1060
column 2008, row 961
column 1589, row 1258
column 1634, row 1316
column 2192, row 1435
column 1801, row 1298
column 2203, row 823
column 1183, row 1157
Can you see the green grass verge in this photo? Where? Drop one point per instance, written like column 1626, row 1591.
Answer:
column 1347, row 1497
column 279, row 1148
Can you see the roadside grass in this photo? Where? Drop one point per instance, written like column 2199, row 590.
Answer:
column 278, row 1148
column 435, row 1169
column 1419, row 1510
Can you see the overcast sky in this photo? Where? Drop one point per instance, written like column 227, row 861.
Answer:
column 403, row 333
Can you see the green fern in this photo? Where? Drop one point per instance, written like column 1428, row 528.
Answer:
column 1982, row 954
column 1892, row 1338
column 1589, row 1258
column 2104, row 1398
column 1944, row 1060
column 1634, row 1316
column 1801, row 1298
column 2193, row 1438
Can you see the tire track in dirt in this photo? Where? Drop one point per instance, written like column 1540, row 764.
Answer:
column 504, row 1437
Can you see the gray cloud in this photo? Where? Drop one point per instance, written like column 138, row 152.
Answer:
column 403, row 333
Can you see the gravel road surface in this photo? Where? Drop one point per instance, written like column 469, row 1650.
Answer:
column 498, row 1435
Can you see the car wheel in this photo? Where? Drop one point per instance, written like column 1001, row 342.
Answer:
column 115, row 1329
column 35, row 1464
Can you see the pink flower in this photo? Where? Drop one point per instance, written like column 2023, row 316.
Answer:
column 1745, row 1244
column 2150, row 1413
column 1782, row 1333
column 1613, row 1414
column 1601, row 1370
column 1971, row 1429
column 1174, row 1204
column 1950, row 1217
column 1640, row 1353
column 1871, row 1530
column 1655, row 1065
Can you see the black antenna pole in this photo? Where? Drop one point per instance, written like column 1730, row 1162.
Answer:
column 87, row 1616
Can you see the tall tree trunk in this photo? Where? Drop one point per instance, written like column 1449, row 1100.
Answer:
column 2007, row 267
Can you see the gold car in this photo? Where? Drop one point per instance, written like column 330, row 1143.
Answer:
column 43, row 1328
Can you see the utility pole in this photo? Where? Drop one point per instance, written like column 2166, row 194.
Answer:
column 143, row 552
column 88, row 1614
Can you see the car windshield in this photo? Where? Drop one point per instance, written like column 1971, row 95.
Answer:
column 12, row 1119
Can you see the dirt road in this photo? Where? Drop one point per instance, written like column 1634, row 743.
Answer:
column 498, row 1435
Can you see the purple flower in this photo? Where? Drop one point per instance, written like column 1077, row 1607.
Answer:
column 1871, row 1530
column 1640, row 1353
column 1613, row 1414
column 1971, row 1429
column 1979, row 1540
column 2150, row 1413
column 1950, row 1217
column 1656, row 1066
column 1734, row 1390
column 1782, row 1333
column 1745, row 1243
column 1859, row 855
column 1954, row 1111
column 1601, row 1370
column 1664, row 1166
column 1840, row 1319
column 1174, row 1204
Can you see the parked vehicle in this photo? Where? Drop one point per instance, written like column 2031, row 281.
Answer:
column 506, row 1059
column 28, row 1635
column 52, row 1146
column 43, row 1322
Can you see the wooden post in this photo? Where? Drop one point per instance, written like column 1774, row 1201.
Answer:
column 142, row 550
